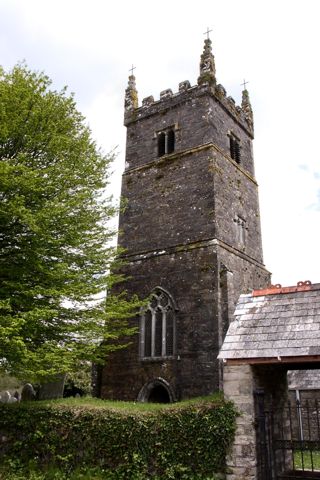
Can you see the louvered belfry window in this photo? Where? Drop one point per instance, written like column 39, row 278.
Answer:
column 234, row 148
column 157, row 329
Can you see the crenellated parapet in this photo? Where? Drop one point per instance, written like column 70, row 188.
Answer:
column 206, row 85
column 150, row 106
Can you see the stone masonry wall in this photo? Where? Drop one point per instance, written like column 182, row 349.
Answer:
column 236, row 195
column 198, row 117
column 190, row 276
column 239, row 386
column 179, row 233
column 168, row 204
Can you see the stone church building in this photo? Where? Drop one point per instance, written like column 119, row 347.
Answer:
column 191, row 234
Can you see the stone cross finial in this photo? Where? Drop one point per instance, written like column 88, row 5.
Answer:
column 131, row 69
column 207, row 33
column 207, row 65
column 244, row 84
column 131, row 96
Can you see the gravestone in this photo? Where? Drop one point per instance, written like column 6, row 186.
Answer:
column 52, row 389
column 28, row 393
column 5, row 397
column 17, row 396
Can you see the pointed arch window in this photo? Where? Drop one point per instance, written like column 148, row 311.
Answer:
column 166, row 142
column 157, row 327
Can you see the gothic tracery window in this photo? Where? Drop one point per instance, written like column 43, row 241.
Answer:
column 157, row 328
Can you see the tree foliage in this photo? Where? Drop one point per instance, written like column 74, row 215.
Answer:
column 54, row 237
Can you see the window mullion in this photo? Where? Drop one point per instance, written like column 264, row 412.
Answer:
column 153, row 333
column 164, row 333
column 142, row 335
column 166, row 143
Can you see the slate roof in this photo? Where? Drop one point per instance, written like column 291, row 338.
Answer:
column 275, row 323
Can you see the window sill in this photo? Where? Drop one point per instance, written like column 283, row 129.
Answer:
column 157, row 359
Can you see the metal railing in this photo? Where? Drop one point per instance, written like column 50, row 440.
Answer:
column 288, row 439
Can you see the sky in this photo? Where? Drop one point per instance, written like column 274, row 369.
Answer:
column 274, row 45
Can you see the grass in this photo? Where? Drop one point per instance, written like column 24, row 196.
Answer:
column 88, row 474
column 52, row 474
column 303, row 460
column 96, row 403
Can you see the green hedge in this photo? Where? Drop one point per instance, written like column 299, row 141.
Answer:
column 180, row 442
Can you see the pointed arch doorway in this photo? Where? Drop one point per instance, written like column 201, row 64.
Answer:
column 157, row 390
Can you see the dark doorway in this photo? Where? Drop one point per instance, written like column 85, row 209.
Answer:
column 157, row 390
column 159, row 394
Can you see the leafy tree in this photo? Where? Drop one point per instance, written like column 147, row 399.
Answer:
column 54, row 237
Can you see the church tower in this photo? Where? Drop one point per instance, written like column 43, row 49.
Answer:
column 191, row 233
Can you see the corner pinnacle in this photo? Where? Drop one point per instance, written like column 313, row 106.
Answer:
column 246, row 106
column 131, row 96
column 207, row 65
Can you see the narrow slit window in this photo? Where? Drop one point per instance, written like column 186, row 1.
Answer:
column 241, row 226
